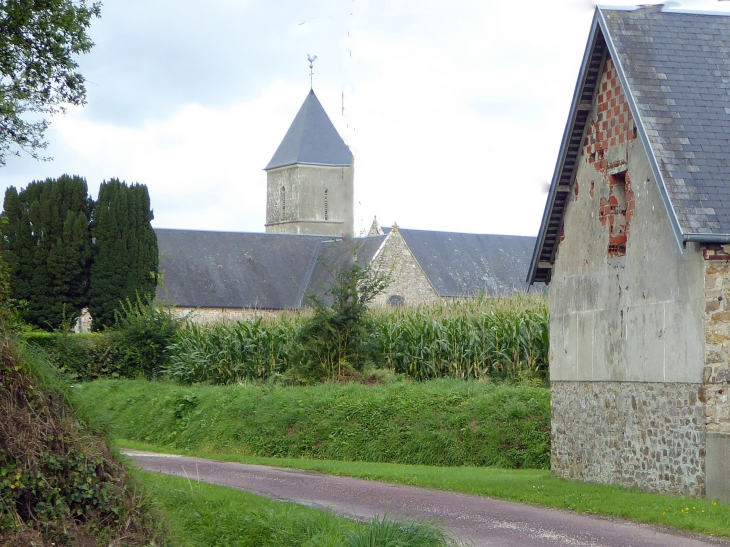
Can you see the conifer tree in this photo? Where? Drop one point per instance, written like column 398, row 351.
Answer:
column 125, row 256
column 47, row 248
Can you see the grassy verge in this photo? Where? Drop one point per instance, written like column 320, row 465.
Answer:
column 533, row 486
column 440, row 422
column 204, row 515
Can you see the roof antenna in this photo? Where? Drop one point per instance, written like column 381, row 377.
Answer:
column 311, row 67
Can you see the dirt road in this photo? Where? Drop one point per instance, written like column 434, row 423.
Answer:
column 481, row 521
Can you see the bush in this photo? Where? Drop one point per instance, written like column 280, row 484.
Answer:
column 336, row 339
column 142, row 332
column 82, row 357
column 136, row 347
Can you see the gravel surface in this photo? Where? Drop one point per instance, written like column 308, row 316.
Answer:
column 477, row 520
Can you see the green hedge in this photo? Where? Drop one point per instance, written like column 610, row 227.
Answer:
column 84, row 357
column 440, row 422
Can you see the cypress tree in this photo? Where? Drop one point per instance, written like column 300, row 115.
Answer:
column 47, row 248
column 125, row 256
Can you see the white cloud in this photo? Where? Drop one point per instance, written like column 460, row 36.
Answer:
column 454, row 111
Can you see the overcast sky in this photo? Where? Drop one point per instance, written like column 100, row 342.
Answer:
column 454, row 110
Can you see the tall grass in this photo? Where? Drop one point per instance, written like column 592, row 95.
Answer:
column 465, row 338
column 468, row 338
column 232, row 352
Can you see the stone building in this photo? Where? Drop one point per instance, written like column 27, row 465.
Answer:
column 634, row 246
column 230, row 275
column 309, row 212
column 309, row 180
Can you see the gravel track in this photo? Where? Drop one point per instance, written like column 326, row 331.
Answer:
column 478, row 520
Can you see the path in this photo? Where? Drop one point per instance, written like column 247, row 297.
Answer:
column 482, row 521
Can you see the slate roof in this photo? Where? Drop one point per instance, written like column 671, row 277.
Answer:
column 311, row 139
column 235, row 270
column 459, row 264
column 275, row 271
column 675, row 71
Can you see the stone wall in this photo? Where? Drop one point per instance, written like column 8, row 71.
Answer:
column 310, row 199
column 206, row 316
column 409, row 284
column 716, row 376
column 648, row 436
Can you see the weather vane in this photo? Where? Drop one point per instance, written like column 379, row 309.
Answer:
column 311, row 68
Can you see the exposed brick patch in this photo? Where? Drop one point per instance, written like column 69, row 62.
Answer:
column 617, row 211
column 613, row 126
column 614, row 123
column 715, row 252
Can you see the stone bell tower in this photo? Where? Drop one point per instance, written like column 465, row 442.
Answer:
column 310, row 178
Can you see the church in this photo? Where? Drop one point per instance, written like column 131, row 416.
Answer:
column 309, row 234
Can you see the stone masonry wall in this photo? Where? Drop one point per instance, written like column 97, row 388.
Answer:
column 206, row 316
column 716, row 376
column 641, row 435
column 409, row 283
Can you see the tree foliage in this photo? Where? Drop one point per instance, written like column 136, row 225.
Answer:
column 125, row 249
column 335, row 340
column 39, row 40
column 47, row 248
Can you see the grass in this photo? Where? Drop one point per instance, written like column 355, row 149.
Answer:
column 206, row 515
column 440, row 422
column 532, row 486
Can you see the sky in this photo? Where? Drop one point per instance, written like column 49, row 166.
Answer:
column 454, row 110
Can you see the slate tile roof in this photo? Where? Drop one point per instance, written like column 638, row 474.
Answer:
column 235, row 270
column 675, row 70
column 459, row 264
column 677, row 66
column 311, row 139
column 275, row 271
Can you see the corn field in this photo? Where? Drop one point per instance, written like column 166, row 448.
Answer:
column 471, row 338
column 504, row 338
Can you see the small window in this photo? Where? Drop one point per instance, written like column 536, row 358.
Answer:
column 326, row 205
column 282, row 200
column 395, row 301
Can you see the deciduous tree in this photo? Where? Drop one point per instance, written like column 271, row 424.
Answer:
column 39, row 40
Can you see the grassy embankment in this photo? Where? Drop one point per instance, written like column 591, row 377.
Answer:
column 157, row 416
column 441, row 422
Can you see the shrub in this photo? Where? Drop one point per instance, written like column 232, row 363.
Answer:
column 335, row 339
column 142, row 332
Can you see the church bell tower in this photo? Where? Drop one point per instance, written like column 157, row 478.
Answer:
column 309, row 180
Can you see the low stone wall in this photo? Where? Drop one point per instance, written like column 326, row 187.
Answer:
column 642, row 435
column 207, row 316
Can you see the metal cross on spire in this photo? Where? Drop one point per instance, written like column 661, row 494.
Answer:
column 311, row 68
